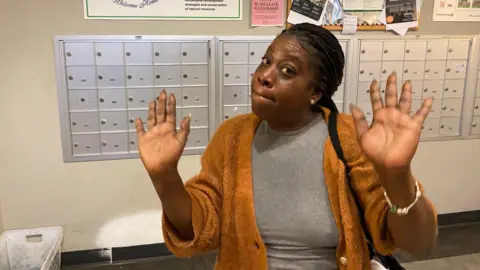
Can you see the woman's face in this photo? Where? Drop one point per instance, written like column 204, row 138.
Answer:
column 282, row 83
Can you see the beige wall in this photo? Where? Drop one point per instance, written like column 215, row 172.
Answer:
column 99, row 203
column 1, row 219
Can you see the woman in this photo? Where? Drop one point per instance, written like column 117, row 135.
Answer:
column 272, row 193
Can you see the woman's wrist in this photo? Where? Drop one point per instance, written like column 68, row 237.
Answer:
column 400, row 187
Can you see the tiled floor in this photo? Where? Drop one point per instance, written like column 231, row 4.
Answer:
column 453, row 241
column 200, row 263
column 458, row 248
column 465, row 262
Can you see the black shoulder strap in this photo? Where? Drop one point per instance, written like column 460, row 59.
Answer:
column 387, row 260
column 332, row 130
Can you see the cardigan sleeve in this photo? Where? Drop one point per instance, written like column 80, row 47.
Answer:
column 368, row 189
column 205, row 190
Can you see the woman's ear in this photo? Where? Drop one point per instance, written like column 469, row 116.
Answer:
column 316, row 96
column 315, row 92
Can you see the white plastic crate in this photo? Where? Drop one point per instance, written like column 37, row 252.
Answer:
column 31, row 249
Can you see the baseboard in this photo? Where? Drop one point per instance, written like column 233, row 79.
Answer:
column 140, row 252
column 459, row 218
column 86, row 256
column 117, row 254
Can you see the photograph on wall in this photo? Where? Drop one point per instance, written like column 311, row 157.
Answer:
column 309, row 8
column 464, row 3
column 163, row 9
column 445, row 4
column 401, row 11
column 333, row 12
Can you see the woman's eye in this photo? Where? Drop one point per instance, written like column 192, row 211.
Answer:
column 287, row 70
column 264, row 61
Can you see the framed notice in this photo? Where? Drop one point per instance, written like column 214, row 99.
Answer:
column 163, row 9
column 456, row 10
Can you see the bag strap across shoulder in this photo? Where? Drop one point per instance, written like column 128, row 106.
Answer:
column 332, row 130
column 388, row 260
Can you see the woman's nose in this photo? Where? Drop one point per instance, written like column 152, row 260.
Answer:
column 267, row 78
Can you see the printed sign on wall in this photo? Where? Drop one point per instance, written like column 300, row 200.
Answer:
column 456, row 10
column 163, row 9
column 268, row 12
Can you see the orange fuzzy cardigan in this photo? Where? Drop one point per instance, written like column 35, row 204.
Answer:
column 222, row 201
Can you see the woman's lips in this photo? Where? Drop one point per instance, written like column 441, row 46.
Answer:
column 263, row 94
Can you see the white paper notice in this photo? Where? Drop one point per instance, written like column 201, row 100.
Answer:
column 383, row 17
column 364, row 5
column 400, row 31
column 349, row 24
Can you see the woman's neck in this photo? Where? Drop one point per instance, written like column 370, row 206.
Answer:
column 291, row 125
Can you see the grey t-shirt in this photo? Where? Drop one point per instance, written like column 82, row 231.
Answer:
column 291, row 201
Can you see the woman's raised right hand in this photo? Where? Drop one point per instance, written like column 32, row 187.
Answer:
column 161, row 146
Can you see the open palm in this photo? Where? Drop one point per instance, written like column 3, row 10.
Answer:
column 162, row 145
column 391, row 141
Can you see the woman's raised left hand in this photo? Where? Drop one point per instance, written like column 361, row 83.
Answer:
column 391, row 141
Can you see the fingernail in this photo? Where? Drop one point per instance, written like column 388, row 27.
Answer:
column 189, row 115
column 394, row 73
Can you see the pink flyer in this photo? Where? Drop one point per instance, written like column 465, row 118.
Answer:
column 268, row 12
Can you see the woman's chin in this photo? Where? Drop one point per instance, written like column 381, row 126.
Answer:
column 262, row 107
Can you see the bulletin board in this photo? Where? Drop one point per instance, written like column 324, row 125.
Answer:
column 339, row 27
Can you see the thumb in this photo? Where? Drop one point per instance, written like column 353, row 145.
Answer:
column 182, row 135
column 361, row 122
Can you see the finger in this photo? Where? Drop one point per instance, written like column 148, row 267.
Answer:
column 139, row 127
column 391, row 96
column 151, row 119
column 182, row 135
column 171, row 110
column 423, row 112
column 361, row 122
column 405, row 103
column 375, row 96
column 161, row 107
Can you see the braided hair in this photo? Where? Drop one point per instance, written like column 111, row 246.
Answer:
column 327, row 60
